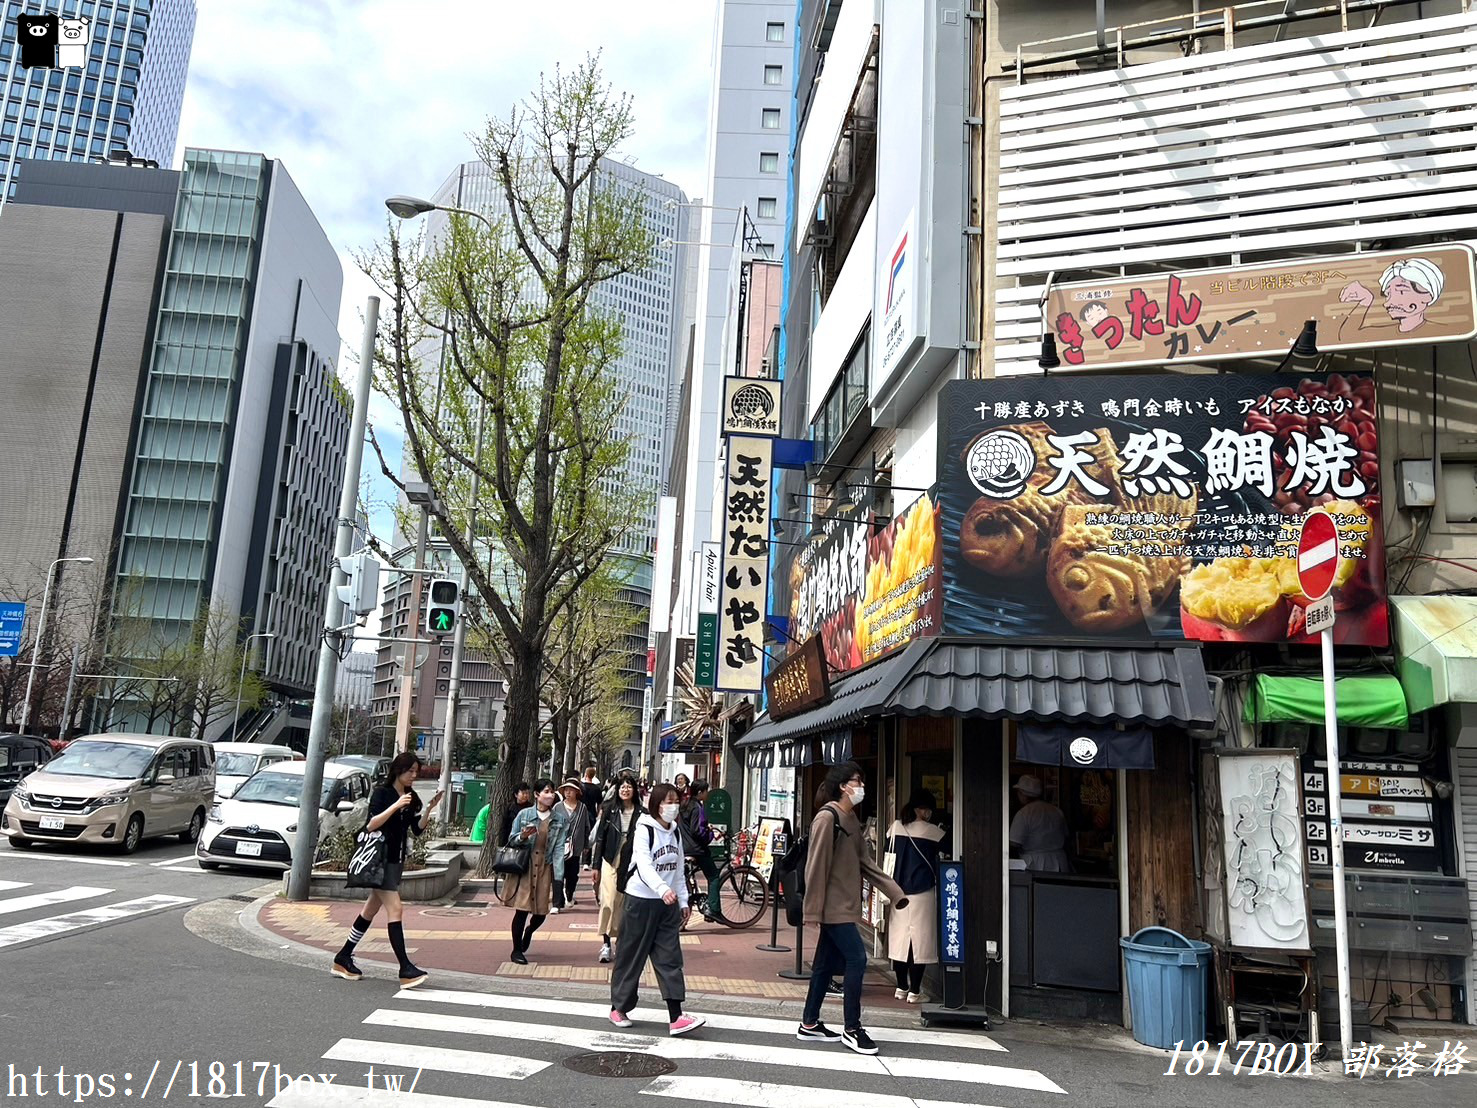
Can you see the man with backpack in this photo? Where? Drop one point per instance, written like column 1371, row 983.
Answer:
column 835, row 861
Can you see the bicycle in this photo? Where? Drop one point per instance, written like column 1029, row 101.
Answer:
column 743, row 894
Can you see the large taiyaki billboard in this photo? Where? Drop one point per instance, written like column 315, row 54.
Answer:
column 1156, row 507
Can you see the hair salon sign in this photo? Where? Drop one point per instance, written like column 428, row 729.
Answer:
column 1418, row 295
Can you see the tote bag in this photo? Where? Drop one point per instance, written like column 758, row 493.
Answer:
column 366, row 869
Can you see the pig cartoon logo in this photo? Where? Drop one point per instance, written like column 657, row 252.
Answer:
column 38, row 36
column 76, row 36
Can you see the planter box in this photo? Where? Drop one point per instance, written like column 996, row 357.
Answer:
column 441, row 877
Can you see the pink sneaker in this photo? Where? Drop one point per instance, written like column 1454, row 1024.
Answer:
column 620, row 1019
column 685, row 1023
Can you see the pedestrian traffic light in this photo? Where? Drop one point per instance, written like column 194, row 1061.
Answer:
column 445, row 607
column 361, row 593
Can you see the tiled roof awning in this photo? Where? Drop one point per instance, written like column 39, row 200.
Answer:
column 1071, row 684
column 966, row 677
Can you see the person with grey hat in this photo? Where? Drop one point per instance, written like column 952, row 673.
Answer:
column 578, row 818
column 1038, row 832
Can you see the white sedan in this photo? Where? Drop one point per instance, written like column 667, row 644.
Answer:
column 258, row 825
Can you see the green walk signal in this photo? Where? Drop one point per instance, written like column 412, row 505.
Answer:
column 444, row 608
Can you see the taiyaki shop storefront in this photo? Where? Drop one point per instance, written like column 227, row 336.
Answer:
column 1094, row 532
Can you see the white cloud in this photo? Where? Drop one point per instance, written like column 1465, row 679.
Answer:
column 363, row 99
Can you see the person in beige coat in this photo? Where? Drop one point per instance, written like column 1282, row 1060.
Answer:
column 834, row 864
column 913, row 932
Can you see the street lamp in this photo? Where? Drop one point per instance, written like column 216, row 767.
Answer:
column 241, row 680
column 41, row 635
column 407, row 207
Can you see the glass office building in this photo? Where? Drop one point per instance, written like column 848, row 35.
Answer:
column 126, row 95
column 243, row 425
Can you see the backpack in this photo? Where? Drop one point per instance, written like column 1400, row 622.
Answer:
column 791, row 870
column 628, row 865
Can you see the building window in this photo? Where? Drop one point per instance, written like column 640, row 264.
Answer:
column 774, row 74
column 765, row 250
column 769, row 163
column 771, row 119
column 774, row 32
column 768, row 208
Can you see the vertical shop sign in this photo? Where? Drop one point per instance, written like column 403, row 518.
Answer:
column 744, row 592
column 951, row 913
column 710, row 561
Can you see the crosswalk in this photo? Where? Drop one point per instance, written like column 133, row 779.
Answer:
column 43, row 926
column 435, row 1048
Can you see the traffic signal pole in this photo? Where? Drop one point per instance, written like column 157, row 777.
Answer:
column 305, row 846
column 408, row 667
column 459, row 633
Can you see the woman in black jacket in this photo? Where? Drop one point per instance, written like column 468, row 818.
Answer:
column 398, row 812
column 611, row 851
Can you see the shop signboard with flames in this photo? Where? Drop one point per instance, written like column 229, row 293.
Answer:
column 867, row 588
column 1156, row 507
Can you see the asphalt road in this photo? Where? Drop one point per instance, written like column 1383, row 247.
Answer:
column 190, row 987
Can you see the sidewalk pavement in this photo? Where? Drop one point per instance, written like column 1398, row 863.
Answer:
column 472, row 935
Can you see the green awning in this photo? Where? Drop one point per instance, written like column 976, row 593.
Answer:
column 1362, row 701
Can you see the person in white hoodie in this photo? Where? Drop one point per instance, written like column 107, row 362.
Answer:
column 654, row 911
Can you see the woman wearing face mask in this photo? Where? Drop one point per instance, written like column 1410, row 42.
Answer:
column 397, row 811
column 654, row 911
column 545, row 827
column 611, row 845
column 834, row 866
column 913, row 932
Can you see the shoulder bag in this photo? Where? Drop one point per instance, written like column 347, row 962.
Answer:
column 366, row 868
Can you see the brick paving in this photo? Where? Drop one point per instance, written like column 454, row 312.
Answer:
column 473, row 936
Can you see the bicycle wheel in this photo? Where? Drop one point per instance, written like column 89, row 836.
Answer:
column 742, row 896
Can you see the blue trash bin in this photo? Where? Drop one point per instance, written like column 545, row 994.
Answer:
column 1167, row 976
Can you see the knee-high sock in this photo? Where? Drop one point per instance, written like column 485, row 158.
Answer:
column 356, row 933
column 397, row 944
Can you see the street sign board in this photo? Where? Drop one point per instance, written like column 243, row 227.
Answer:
column 12, row 623
column 1318, row 555
column 706, row 666
column 1319, row 615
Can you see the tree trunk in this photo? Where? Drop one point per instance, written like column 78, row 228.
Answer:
column 520, row 726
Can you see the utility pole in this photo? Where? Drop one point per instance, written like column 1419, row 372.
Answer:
column 412, row 631
column 305, row 846
column 459, row 634
column 61, row 729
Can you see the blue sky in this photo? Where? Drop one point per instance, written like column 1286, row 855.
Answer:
column 363, row 99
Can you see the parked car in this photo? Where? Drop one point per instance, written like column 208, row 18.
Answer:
column 235, row 762
column 20, row 755
column 258, row 825
column 115, row 789
column 373, row 764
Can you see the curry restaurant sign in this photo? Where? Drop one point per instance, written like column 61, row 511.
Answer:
column 1418, row 295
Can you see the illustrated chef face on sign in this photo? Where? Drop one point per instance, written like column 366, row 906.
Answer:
column 1410, row 288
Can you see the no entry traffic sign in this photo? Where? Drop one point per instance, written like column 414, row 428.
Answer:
column 1318, row 555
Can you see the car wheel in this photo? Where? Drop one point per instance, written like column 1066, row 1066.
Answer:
column 207, row 865
column 133, row 836
column 20, row 842
column 192, row 832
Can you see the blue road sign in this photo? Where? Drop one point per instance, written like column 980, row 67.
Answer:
column 12, row 622
column 420, row 741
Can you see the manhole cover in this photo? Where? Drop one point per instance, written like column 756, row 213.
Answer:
column 619, row 1063
column 453, row 912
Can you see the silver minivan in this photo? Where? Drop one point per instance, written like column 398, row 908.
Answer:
column 115, row 789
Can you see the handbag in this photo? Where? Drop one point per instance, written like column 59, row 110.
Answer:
column 512, row 859
column 366, row 868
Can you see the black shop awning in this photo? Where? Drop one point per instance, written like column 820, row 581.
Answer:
column 944, row 676
column 1085, row 746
